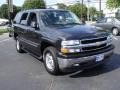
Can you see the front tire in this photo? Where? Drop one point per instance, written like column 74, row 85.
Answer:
column 50, row 61
column 19, row 46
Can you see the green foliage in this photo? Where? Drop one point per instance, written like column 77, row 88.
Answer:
column 92, row 11
column 4, row 10
column 3, row 31
column 77, row 9
column 113, row 4
column 100, row 13
column 34, row 4
column 61, row 6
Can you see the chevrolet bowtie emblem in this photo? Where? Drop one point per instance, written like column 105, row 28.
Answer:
column 98, row 43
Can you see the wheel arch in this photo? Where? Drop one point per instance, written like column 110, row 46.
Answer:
column 44, row 45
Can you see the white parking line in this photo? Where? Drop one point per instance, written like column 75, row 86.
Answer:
column 4, row 40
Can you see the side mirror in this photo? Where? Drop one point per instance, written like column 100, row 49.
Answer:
column 34, row 25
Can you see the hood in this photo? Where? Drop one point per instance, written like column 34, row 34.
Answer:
column 78, row 32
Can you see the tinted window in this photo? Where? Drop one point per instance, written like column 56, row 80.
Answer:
column 24, row 19
column 24, row 16
column 17, row 18
column 32, row 18
column 59, row 18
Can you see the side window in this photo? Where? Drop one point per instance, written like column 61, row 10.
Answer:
column 109, row 20
column 32, row 20
column 23, row 20
column 17, row 18
column 101, row 20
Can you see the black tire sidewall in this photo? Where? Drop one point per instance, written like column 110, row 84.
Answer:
column 52, row 51
column 20, row 46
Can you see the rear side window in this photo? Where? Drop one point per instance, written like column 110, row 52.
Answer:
column 17, row 18
column 109, row 20
column 24, row 16
column 23, row 20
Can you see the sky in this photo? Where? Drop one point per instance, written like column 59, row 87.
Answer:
column 50, row 2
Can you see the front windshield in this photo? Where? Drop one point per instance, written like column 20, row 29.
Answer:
column 59, row 18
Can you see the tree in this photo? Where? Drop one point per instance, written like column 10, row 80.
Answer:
column 113, row 4
column 92, row 12
column 77, row 9
column 4, row 11
column 34, row 4
column 100, row 14
column 61, row 6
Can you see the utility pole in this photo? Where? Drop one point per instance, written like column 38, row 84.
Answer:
column 82, row 10
column 8, row 3
column 10, row 9
column 100, row 8
column 88, row 13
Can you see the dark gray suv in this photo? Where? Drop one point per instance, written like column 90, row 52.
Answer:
column 61, row 40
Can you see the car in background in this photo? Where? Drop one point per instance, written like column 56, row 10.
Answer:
column 3, row 22
column 110, row 23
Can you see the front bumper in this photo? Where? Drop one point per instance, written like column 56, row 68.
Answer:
column 65, row 63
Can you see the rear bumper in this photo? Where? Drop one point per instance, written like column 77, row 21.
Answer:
column 69, row 63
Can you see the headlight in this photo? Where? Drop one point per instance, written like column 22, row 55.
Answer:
column 70, row 46
column 109, row 39
column 70, row 42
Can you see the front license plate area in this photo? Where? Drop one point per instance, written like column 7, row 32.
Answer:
column 99, row 57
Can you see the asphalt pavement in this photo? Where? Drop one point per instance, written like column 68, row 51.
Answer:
column 24, row 72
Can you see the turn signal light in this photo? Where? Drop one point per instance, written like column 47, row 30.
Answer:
column 64, row 50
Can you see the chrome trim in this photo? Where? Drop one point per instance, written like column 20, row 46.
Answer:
column 29, row 42
column 98, row 43
column 87, row 45
column 94, row 38
column 94, row 49
column 93, row 44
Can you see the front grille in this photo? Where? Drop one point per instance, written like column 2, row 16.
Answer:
column 87, row 41
column 94, row 47
column 93, row 44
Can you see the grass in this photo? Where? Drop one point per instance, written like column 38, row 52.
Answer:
column 3, row 31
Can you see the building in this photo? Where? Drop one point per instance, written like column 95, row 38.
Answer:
column 112, row 13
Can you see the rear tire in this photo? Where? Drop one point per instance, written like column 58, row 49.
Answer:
column 50, row 61
column 19, row 46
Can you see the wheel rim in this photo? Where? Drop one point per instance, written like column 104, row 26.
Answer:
column 49, row 61
column 115, row 31
column 18, row 45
